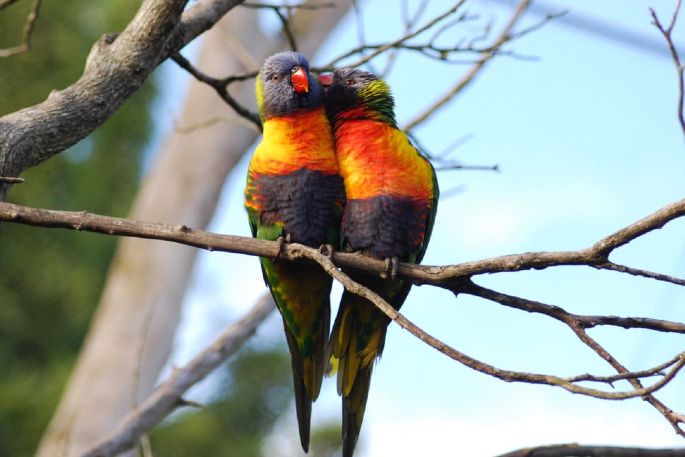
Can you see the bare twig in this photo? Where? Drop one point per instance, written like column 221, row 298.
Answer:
column 215, row 120
column 5, row 3
column 654, row 371
column 666, row 32
column 169, row 395
column 408, row 24
column 287, row 31
column 291, row 6
column 144, row 440
column 382, row 48
column 558, row 313
column 467, row 167
column 220, row 88
column 11, row 180
column 503, row 37
column 576, row 450
column 284, row 18
column 28, row 29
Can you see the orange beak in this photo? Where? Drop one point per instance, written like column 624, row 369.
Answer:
column 299, row 81
column 326, row 80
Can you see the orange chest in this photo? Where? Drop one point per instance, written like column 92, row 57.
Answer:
column 293, row 142
column 376, row 159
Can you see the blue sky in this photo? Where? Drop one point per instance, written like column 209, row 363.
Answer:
column 587, row 140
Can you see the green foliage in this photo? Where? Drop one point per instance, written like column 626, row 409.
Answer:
column 51, row 280
column 256, row 390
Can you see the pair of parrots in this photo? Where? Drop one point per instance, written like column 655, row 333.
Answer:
column 333, row 169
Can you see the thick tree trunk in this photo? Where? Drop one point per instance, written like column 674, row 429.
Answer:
column 132, row 331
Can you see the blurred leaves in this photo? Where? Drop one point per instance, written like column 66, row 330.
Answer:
column 52, row 280
column 256, row 390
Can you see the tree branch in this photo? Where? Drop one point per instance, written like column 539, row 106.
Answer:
column 666, row 32
column 116, row 67
column 575, row 450
column 169, row 395
column 475, row 69
column 505, row 375
column 11, row 180
column 220, row 88
column 456, row 278
column 28, row 29
column 449, row 277
column 558, row 313
column 458, row 282
column 382, row 48
column 5, row 3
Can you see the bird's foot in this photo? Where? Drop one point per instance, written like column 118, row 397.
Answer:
column 327, row 250
column 392, row 264
column 282, row 241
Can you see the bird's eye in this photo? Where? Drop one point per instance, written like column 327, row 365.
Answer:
column 274, row 78
column 350, row 82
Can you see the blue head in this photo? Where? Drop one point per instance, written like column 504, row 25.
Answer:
column 285, row 86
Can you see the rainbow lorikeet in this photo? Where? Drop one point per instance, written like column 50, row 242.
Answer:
column 294, row 193
column 392, row 196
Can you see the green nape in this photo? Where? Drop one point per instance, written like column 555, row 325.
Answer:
column 377, row 97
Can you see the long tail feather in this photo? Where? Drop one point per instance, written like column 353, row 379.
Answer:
column 307, row 377
column 353, row 409
column 356, row 341
column 303, row 403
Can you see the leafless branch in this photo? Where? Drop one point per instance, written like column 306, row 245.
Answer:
column 409, row 22
column 654, row 371
column 449, row 277
column 215, row 120
column 382, row 48
column 284, row 18
column 441, row 164
column 220, row 88
column 291, row 6
column 505, row 375
column 169, row 395
column 5, row 3
column 28, row 28
column 429, row 49
column 578, row 324
column 576, row 450
column 11, row 180
column 503, row 37
column 456, row 278
column 666, row 32
column 572, row 320
column 467, row 167
column 453, row 277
